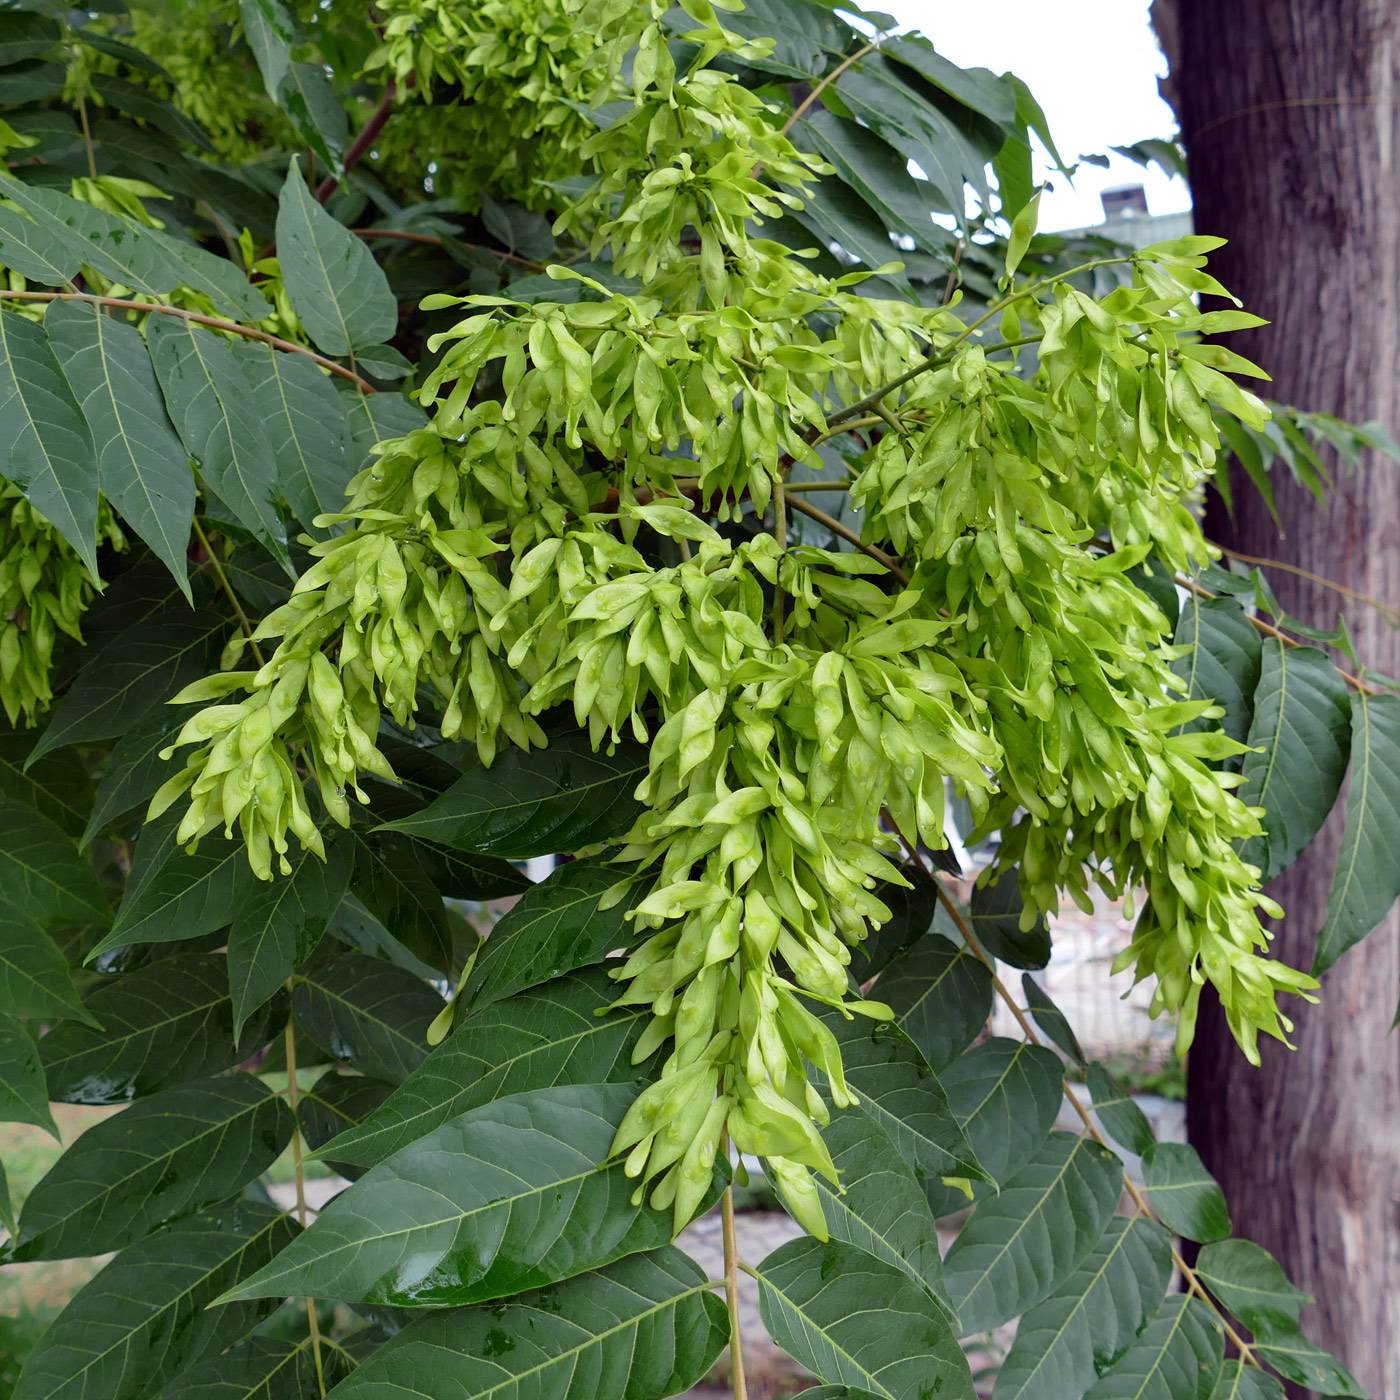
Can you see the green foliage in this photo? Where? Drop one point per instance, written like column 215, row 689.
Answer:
column 439, row 495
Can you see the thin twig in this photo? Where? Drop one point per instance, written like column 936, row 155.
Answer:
column 837, row 528
column 830, row 78
column 217, row 322
column 731, row 1289
column 228, row 589
column 1269, row 630
column 953, row 271
column 1313, row 578
column 357, row 148
column 407, row 236
column 791, row 486
column 1187, row 1272
column 313, row 1324
column 87, row 137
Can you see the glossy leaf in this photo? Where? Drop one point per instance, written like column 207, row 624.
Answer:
column 507, row 1197
column 278, row 924
column 1178, row 1357
column 899, row 1091
column 141, row 466
column 55, row 785
column 555, row 799
column 307, row 425
column 1050, row 1018
column 34, row 976
column 49, row 453
column 368, row 1013
column 154, row 1028
column 134, row 256
column 146, row 1316
column 1367, row 878
column 995, row 918
column 644, row 1328
column 132, row 676
column 1237, row 1381
column 1121, row 1118
column 852, row 1319
column 211, row 403
column 1250, row 1283
column 941, row 996
column 880, row 1207
column 1223, row 662
column 1062, row 1342
column 42, row 876
column 1183, row 1193
column 554, row 928
column 23, row 1098
column 1302, row 725
column 1297, row 1359
column 338, row 1103
column 336, row 287
column 155, row 1162
column 536, row 1039
column 1021, row 1244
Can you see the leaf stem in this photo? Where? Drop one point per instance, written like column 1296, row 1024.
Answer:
column 217, row 322
column 830, row 78
column 222, row 577
column 312, row 1322
column 846, row 533
column 732, row 1265
column 1193, row 1283
column 779, row 534
column 87, row 136
column 1387, row 609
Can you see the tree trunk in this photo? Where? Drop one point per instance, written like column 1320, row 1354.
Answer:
column 1288, row 111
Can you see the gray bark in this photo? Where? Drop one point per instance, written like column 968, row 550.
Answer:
column 1289, row 113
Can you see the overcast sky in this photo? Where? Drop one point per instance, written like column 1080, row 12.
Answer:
column 1093, row 66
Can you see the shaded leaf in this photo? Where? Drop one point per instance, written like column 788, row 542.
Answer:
column 1019, row 1245
column 537, row 1039
column 34, row 976
column 132, row 675
column 7, row 1210
column 135, row 768
column 1050, row 1018
column 336, row 287
column 1367, row 879
column 1240, row 1382
column 155, row 1162
column 309, row 98
column 391, row 883
column 912, row 912
column 1250, row 1282
column 161, row 1025
column 1178, row 1357
column 1121, row 1118
column 644, row 1328
column 941, row 996
column 368, row 1013
column 555, row 927
column 899, row 1091
column 977, row 88
column 279, row 923
column 49, row 454
column 212, row 406
column 146, row 1316
column 42, row 876
column 1063, row 1343
column 338, row 1103
column 376, row 418
column 23, row 1098
column 507, row 1197
column 1183, row 1193
column 307, row 424
column 995, row 919
column 271, row 32
column 25, row 36
column 1223, row 662
column 1302, row 724
column 803, row 35
column 538, row 803
column 260, row 1368
column 855, row 1320
column 141, row 466
column 56, row 785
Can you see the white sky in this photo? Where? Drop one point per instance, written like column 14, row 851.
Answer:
column 1092, row 65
